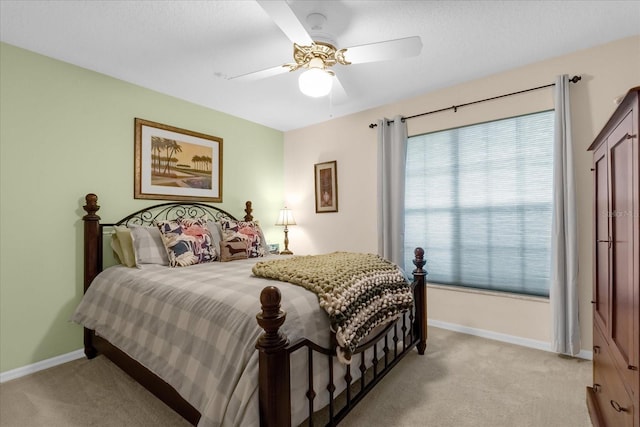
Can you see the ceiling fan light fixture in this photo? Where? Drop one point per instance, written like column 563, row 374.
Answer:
column 316, row 81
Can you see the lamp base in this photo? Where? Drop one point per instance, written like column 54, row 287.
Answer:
column 286, row 250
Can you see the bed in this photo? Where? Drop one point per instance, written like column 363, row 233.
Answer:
column 271, row 361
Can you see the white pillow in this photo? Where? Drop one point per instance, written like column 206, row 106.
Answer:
column 148, row 246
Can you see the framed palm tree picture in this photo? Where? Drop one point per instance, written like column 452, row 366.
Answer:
column 176, row 164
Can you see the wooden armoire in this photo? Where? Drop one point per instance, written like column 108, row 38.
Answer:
column 613, row 399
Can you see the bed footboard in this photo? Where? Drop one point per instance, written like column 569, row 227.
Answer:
column 275, row 353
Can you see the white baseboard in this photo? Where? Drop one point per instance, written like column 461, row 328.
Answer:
column 39, row 366
column 497, row 336
column 525, row 342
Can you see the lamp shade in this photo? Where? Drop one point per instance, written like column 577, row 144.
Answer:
column 286, row 217
column 315, row 82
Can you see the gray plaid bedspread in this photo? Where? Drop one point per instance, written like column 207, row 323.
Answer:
column 195, row 327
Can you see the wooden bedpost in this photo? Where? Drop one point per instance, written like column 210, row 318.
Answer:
column 248, row 210
column 420, row 296
column 92, row 258
column 92, row 255
column 274, row 388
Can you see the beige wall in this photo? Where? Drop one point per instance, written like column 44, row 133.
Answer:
column 607, row 72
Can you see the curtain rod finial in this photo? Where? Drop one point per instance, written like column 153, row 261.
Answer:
column 575, row 79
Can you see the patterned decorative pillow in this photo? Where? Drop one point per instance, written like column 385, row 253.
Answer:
column 249, row 230
column 234, row 248
column 187, row 241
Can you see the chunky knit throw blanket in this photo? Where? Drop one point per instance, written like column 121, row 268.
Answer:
column 359, row 291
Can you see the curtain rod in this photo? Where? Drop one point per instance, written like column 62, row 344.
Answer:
column 574, row 79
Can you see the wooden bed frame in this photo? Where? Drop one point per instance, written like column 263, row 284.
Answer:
column 397, row 339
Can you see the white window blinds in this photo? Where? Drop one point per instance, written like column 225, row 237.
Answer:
column 478, row 199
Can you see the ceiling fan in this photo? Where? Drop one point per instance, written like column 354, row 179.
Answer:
column 317, row 57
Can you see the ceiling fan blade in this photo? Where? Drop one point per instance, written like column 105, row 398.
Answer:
column 338, row 94
column 288, row 22
column 262, row 74
column 383, row 51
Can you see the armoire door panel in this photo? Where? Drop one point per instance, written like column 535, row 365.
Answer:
column 621, row 264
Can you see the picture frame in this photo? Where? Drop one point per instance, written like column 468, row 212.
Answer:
column 326, row 186
column 274, row 248
column 176, row 164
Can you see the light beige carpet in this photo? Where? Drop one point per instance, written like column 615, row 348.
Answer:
column 461, row 381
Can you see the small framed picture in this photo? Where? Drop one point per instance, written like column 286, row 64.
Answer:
column 274, row 248
column 326, row 179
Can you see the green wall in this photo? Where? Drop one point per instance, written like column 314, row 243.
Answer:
column 64, row 132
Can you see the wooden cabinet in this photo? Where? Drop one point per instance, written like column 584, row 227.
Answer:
column 613, row 400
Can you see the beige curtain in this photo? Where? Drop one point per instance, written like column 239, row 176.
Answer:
column 392, row 154
column 563, row 290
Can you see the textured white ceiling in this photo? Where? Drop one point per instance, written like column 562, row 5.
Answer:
column 187, row 48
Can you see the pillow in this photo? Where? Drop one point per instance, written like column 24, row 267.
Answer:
column 187, row 241
column 233, row 248
column 216, row 233
column 262, row 239
column 122, row 245
column 115, row 245
column 147, row 246
column 245, row 229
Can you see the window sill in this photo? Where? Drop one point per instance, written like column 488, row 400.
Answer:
column 488, row 293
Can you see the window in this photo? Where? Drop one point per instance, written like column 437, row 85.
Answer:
column 478, row 199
